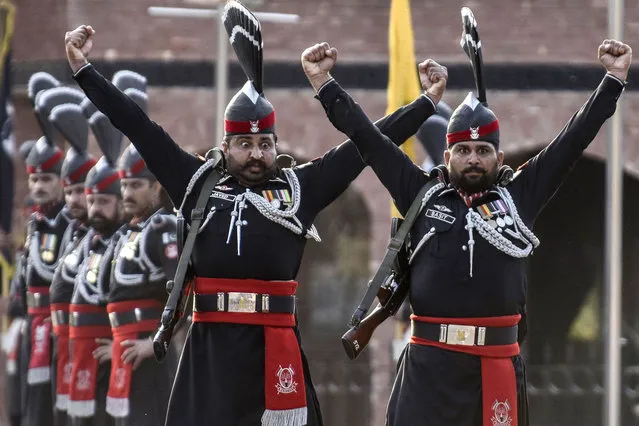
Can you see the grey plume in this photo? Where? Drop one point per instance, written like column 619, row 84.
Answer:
column 88, row 108
column 140, row 98
column 38, row 82
column 125, row 79
column 109, row 138
column 72, row 124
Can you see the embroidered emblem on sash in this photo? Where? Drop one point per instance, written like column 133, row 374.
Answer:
column 501, row 416
column 286, row 384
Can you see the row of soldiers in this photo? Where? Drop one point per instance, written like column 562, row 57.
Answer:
column 90, row 283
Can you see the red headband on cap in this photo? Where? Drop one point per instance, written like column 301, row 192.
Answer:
column 247, row 127
column 474, row 133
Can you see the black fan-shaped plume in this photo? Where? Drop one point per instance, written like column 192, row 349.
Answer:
column 88, row 108
column 26, row 148
column 245, row 35
column 72, row 124
column 125, row 79
column 109, row 138
column 140, row 98
column 38, row 82
column 471, row 44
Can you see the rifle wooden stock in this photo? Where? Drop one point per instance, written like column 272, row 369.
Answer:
column 356, row 339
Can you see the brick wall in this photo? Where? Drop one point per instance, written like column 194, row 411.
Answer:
column 512, row 31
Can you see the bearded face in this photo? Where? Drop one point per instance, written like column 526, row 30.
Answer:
column 472, row 166
column 251, row 159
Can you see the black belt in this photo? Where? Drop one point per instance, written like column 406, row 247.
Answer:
column 81, row 319
column 60, row 317
column 119, row 319
column 37, row 300
column 244, row 302
column 465, row 335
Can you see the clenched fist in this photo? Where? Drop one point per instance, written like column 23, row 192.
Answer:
column 317, row 61
column 78, row 44
column 433, row 78
column 616, row 58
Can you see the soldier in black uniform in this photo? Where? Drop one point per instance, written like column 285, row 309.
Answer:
column 15, row 376
column 42, row 250
column 469, row 246
column 89, row 328
column 242, row 363
column 145, row 257
column 71, row 122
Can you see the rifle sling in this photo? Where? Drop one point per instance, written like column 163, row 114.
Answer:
column 394, row 246
column 197, row 214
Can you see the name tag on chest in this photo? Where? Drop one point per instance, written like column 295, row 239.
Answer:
column 223, row 196
column 434, row 214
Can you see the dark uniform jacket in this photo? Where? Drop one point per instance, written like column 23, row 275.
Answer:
column 435, row 386
column 221, row 374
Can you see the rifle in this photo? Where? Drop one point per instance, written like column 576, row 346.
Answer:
column 390, row 282
column 390, row 295
column 180, row 287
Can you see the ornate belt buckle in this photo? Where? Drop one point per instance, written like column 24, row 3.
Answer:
column 113, row 319
column 461, row 335
column 63, row 317
column 242, row 302
column 74, row 318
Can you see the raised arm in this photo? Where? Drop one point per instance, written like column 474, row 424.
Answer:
column 171, row 165
column 396, row 171
column 543, row 174
column 328, row 176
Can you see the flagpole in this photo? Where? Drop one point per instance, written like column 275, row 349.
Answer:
column 614, row 224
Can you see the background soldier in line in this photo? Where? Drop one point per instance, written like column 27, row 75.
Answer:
column 16, row 375
column 89, row 328
column 145, row 257
column 42, row 250
column 70, row 121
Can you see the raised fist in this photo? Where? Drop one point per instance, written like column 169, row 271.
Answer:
column 433, row 78
column 317, row 61
column 78, row 44
column 616, row 58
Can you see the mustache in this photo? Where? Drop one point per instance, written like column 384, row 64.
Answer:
column 474, row 169
column 252, row 163
column 97, row 218
column 76, row 206
column 129, row 200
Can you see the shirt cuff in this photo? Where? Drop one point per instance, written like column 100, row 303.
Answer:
column 88, row 64
column 623, row 83
column 430, row 100
column 324, row 85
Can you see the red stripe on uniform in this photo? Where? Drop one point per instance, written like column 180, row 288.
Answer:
column 464, row 135
column 249, row 126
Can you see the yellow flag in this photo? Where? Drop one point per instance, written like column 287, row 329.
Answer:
column 403, row 80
